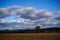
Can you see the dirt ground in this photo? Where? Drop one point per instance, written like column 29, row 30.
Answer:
column 30, row 36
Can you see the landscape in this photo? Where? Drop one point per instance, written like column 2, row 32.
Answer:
column 31, row 34
column 29, row 19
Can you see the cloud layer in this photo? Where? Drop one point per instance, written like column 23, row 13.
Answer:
column 32, row 18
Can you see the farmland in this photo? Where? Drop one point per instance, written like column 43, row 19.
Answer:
column 30, row 36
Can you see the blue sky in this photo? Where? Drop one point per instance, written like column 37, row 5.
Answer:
column 49, row 5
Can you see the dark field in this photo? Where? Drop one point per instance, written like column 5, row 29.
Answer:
column 30, row 36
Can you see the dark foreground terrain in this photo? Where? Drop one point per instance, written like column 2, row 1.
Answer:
column 36, row 30
column 30, row 36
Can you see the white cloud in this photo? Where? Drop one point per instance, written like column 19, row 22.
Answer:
column 31, row 16
column 9, row 11
column 31, row 13
column 28, row 13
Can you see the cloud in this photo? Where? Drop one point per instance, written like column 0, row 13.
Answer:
column 29, row 24
column 9, row 11
column 15, row 24
column 32, row 13
column 3, row 13
column 24, row 12
column 51, row 22
column 32, row 18
column 57, row 18
column 58, row 15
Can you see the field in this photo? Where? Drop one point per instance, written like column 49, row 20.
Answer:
column 31, row 36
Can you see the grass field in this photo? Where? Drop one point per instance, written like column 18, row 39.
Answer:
column 31, row 36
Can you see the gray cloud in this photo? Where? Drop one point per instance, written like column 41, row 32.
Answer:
column 29, row 24
column 58, row 15
column 9, row 11
column 57, row 18
column 32, row 18
column 13, row 25
column 28, row 13
column 31, row 13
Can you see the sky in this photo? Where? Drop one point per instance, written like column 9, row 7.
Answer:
column 51, row 5
column 26, row 14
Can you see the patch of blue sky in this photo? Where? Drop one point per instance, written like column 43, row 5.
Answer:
column 50, row 5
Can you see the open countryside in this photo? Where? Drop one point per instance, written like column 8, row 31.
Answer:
column 30, row 36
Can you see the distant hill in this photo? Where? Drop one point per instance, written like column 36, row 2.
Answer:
column 43, row 30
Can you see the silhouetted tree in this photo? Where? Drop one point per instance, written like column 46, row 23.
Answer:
column 37, row 28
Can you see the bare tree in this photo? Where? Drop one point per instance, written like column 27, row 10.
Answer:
column 37, row 28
